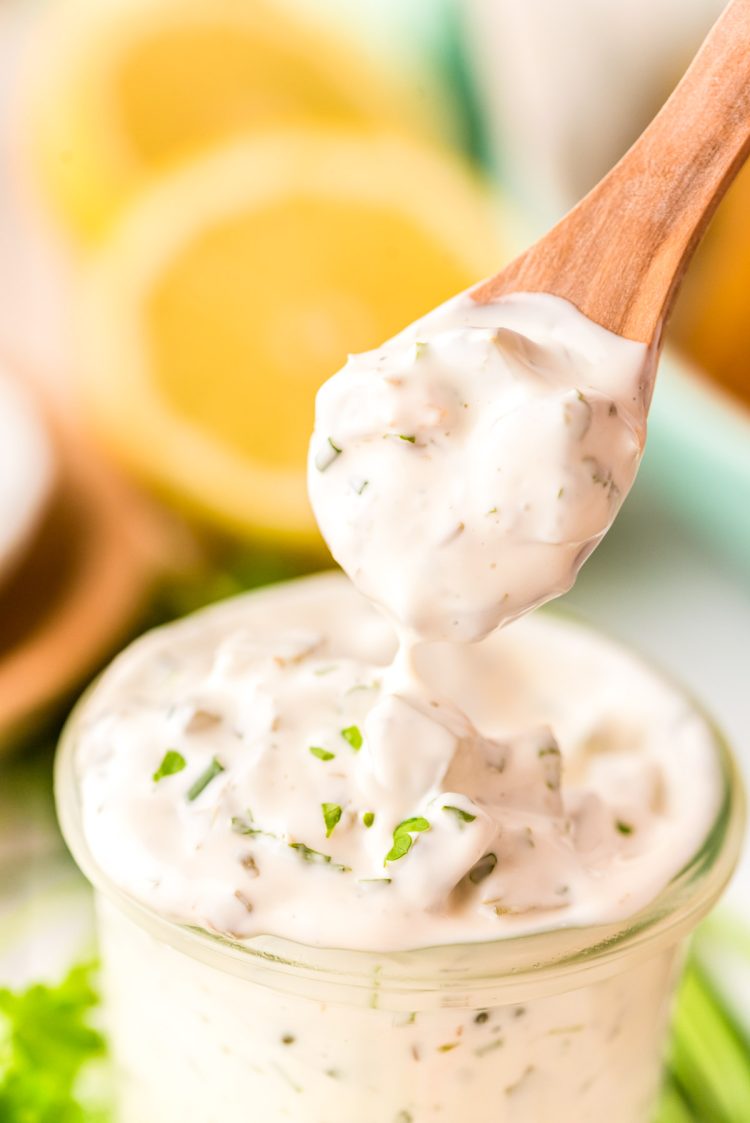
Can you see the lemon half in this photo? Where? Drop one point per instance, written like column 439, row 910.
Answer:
column 121, row 91
column 234, row 287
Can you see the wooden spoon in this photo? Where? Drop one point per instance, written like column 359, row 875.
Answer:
column 620, row 254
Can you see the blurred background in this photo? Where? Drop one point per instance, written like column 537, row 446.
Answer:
column 204, row 206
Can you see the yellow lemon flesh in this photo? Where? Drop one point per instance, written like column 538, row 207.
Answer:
column 232, row 289
column 121, row 92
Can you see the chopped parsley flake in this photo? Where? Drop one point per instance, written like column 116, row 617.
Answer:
column 402, row 837
column 461, row 815
column 315, row 857
column 368, row 818
column 407, row 437
column 205, row 778
column 321, row 754
column 623, row 827
column 326, row 456
column 353, row 735
column 172, row 762
column 331, row 816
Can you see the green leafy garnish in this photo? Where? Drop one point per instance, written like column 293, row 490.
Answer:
column 321, row 754
column 402, row 837
column 353, row 735
column 331, row 816
column 46, row 1046
column 173, row 762
column 407, row 437
column 368, row 818
column 205, row 778
column 623, row 827
column 307, row 854
column 461, row 815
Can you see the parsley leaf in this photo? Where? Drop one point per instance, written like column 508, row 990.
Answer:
column 172, row 762
column 331, row 816
column 321, row 754
column 461, row 815
column 353, row 735
column 402, row 837
column 47, row 1043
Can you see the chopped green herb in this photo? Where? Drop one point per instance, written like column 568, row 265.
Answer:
column 360, row 485
column 624, row 828
column 482, row 869
column 315, row 857
column 461, row 815
column 321, row 754
column 492, row 511
column 172, row 762
column 420, row 348
column 368, row 818
column 353, row 735
column 549, row 750
column 331, row 816
column 247, row 826
column 326, row 456
column 205, row 778
column 407, row 437
column 402, row 840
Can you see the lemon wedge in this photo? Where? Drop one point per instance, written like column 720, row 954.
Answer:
column 122, row 91
column 235, row 286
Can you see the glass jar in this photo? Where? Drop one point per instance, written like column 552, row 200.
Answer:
column 565, row 1025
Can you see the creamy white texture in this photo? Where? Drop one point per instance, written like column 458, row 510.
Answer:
column 332, row 785
column 259, row 681
column 463, row 473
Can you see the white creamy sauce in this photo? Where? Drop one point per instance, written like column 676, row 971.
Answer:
column 259, row 681
column 285, row 764
column 484, row 452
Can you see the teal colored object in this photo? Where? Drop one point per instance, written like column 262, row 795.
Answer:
column 698, row 459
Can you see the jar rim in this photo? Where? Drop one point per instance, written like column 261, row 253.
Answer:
column 545, row 961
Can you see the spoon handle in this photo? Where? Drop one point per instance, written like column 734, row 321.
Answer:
column 620, row 254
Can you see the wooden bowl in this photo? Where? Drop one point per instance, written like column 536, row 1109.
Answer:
column 83, row 582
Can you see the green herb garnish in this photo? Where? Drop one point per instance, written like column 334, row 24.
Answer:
column 326, row 456
column 402, row 837
column 48, row 1050
column 368, row 818
column 353, row 735
column 205, row 778
column 331, row 816
column 172, row 762
column 461, row 815
column 315, row 857
column 407, row 437
column 321, row 754
column 623, row 827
